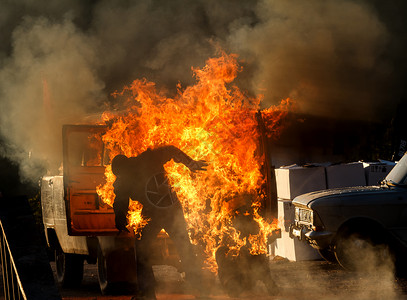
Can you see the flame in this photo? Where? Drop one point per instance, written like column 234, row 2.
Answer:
column 211, row 120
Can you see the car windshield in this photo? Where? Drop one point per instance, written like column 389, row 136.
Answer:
column 398, row 175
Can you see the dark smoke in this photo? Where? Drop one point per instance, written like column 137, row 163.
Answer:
column 61, row 60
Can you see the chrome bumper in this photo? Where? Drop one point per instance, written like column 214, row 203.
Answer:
column 317, row 239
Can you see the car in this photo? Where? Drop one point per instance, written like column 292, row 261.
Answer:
column 361, row 227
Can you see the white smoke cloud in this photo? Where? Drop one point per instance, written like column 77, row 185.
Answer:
column 322, row 54
column 49, row 80
column 60, row 61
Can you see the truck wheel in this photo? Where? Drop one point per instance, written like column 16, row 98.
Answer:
column 69, row 268
column 328, row 255
column 359, row 251
column 115, row 273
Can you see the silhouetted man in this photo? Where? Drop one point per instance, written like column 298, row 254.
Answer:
column 143, row 178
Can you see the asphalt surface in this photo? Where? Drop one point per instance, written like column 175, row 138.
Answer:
column 296, row 280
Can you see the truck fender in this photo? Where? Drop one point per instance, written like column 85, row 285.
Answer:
column 52, row 239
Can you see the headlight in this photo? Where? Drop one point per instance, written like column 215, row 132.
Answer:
column 303, row 215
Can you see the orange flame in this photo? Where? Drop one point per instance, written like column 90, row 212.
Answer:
column 211, row 120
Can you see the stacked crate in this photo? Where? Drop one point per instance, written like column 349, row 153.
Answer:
column 377, row 171
column 291, row 182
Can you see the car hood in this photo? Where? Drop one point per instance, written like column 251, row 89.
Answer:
column 307, row 199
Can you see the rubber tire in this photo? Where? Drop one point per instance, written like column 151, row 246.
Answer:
column 69, row 268
column 361, row 252
column 328, row 255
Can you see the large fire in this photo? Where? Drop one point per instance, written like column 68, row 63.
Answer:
column 215, row 121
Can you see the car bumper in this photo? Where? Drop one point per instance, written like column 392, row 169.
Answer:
column 317, row 239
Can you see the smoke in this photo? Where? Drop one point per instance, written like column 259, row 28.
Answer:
column 294, row 280
column 49, row 80
column 321, row 280
column 61, row 61
column 325, row 55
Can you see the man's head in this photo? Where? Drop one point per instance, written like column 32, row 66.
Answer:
column 119, row 164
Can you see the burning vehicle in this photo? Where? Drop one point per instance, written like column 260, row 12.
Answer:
column 78, row 225
column 362, row 228
column 230, row 206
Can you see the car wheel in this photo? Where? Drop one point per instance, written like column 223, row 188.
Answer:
column 359, row 251
column 69, row 268
column 328, row 255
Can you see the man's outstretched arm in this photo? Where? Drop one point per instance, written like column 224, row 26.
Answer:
column 172, row 152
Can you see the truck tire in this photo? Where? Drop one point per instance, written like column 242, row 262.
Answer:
column 115, row 273
column 69, row 268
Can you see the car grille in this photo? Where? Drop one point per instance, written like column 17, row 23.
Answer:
column 303, row 215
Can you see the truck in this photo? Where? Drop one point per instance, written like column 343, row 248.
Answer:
column 80, row 227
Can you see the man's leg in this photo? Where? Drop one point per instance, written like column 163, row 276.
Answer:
column 145, row 275
column 176, row 227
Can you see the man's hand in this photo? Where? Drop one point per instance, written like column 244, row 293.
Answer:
column 121, row 222
column 198, row 165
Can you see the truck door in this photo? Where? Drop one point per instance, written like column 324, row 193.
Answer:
column 84, row 159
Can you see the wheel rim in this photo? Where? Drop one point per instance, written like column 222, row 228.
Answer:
column 159, row 193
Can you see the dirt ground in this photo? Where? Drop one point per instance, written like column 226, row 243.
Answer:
column 296, row 280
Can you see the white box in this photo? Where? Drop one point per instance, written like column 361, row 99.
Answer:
column 345, row 175
column 285, row 213
column 286, row 247
column 376, row 172
column 293, row 181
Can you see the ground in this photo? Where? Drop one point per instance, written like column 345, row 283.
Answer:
column 297, row 280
